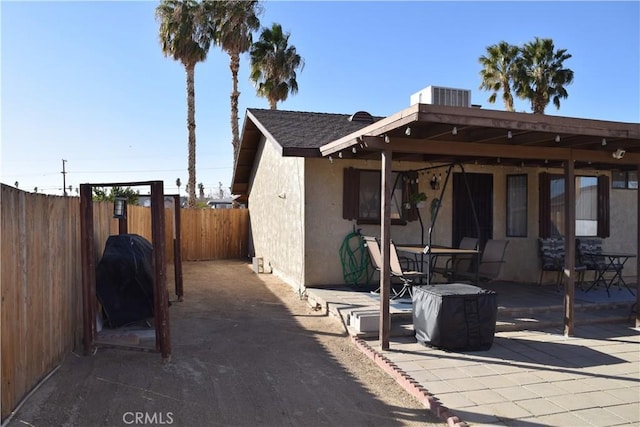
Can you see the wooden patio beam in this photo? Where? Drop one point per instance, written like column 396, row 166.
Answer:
column 526, row 121
column 88, row 260
column 385, row 240
column 570, row 247
column 403, row 145
column 378, row 128
column 160, row 294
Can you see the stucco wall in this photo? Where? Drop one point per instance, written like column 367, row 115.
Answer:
column 624, row 226
column 297, row 225
column 276, row 206
column 326, row 229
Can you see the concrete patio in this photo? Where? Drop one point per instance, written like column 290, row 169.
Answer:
column 531, row 376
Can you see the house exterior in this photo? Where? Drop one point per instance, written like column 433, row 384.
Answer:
column 296, row 171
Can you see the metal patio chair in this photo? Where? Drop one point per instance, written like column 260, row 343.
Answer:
column 490, row 264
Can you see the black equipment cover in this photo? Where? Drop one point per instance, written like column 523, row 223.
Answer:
column 455, row 316
column 124, row 280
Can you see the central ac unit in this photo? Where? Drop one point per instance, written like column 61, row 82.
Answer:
column 442, row 96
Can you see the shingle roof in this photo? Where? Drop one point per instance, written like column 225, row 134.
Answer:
column 296, row 129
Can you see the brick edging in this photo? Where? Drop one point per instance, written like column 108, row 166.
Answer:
column 412, row 386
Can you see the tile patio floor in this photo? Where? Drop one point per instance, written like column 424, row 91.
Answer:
column 531, row 376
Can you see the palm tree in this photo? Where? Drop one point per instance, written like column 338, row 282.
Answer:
column 201, row 189
column 274, row 64
column 181, row 37
column 498, row 70
column 541, row 76
column 178, row 184
column 237, row 20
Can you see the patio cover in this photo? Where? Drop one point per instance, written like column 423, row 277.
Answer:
column 435, row 133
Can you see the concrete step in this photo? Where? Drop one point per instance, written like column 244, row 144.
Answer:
column 365, row 323
column 554, row 318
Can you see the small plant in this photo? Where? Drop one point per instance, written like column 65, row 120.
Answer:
column 418, row 198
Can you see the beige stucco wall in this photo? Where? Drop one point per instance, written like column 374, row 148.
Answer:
column 297, row 225
column 276, row 206
column 326, row 229
column 624, row 226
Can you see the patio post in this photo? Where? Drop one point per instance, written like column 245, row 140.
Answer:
column 177, row 251
column 570, row 245
column 160, row 294
column 385, row 233
column 88, row 260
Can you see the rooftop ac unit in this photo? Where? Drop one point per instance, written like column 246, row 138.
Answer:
column 442, row 96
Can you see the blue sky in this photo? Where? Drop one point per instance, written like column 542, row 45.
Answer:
column 87, row 81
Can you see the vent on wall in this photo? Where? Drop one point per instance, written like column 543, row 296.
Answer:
column 442, row 96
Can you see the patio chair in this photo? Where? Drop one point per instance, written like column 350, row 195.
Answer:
column 458, row 263
column 375, row 257
column 590, row 252
column 552, row 253
column 490, row 263
column 405, row 277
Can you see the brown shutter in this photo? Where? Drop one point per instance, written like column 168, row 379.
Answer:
column 350, row 192
column 544, row 205
column 603, row 207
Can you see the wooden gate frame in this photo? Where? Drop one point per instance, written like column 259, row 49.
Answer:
column 160, row 296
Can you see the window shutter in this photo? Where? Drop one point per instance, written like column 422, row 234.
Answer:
column 544, row 205
column 603, row 207
column 350, row 191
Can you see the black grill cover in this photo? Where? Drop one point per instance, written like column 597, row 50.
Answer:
column 455, row 316
column 124, row 280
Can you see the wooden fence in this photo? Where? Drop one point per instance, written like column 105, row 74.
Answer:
column 41, row 274
column 206, row 234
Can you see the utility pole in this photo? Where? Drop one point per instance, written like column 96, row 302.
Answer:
column 64, row 183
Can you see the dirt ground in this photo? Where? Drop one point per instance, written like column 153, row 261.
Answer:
column 246, row 351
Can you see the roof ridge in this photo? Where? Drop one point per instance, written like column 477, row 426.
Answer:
column 310, row 112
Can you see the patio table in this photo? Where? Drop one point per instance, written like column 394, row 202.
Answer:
column 614, row 262
column 433, row 252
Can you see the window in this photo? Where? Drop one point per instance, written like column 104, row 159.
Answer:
column 592, row 205
column 361, row 196
column 586, row 206
column 625, row 180
column 517, row 205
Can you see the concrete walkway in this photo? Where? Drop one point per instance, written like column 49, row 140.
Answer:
column 528, row 377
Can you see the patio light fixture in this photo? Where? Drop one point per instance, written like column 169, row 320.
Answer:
column 618, row 154
column 604, row 142
column 557, row 138
column 454, row 131
column 120, row 207
column 387, row 139
column 407, row 131
column 509, row 135
column 435, row 182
